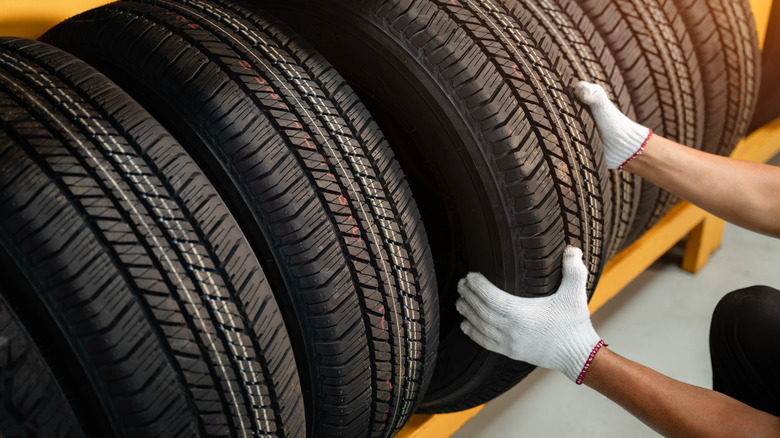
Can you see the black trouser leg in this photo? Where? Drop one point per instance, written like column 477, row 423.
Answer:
column 745, row 347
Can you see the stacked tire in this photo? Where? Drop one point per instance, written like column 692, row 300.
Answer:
column 310, row 179
column 473, row 96
column 268, row 241
column 138, row 303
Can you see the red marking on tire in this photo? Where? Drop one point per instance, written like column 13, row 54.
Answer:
column 342, row 198
column 306, row 139
column 247, row 66
column 519, row 75
column 355, row 230
column 383, row 322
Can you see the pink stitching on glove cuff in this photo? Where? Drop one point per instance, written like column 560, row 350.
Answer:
column 590, row 359
column 639, row 151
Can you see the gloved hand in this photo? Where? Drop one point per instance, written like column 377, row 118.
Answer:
column 551, row 332
column 623, row 139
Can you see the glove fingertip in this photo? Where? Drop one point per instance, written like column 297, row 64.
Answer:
column 461, row 285
column 473, row 276
column 466, row 327
column 572, row 251
column 580, row 84
column 459, row 303
column 586, row 92
column 479, row 282
column 572, row 260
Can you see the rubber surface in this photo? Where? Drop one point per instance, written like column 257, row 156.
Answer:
column 32, row 404
column 504, row 164
column 657, row 59
column 723, row 34
column 576, row 38
column 312, row 181
column 140, row 280
column 726, row 43
column 693, row 68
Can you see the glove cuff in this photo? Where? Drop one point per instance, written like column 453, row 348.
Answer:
column 638, row 151
column 586, row 367
column 624, row 144
column 579, row 352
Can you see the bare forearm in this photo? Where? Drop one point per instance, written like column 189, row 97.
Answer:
column 741, row 192
column 673, row 408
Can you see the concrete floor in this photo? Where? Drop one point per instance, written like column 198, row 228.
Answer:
column 660, row 320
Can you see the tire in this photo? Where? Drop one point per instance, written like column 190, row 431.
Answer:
column 33, row 404
column 578, row 41
column 724, row 36
column 140, row 282
column 476, row 127
column 657, row 58
column 312, row 181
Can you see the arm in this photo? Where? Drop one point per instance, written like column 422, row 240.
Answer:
column 744, row 193
column 556, row 332
column 673, row 408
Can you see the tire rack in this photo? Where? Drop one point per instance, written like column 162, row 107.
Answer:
column 702, row 231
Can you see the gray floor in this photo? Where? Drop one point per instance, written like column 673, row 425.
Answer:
column 660, row 320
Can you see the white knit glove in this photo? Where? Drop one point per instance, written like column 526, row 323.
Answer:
column 551, row 332
column 623, row 139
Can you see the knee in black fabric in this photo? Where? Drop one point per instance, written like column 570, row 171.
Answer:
column 750, row 311
column 744, row 347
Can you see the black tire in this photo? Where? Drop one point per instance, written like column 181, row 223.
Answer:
column 310, row 178
column 476, row 126
column 723, row 34
column 140, row 282
column 590, row 59
column 32, row 403
column 656, row 56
